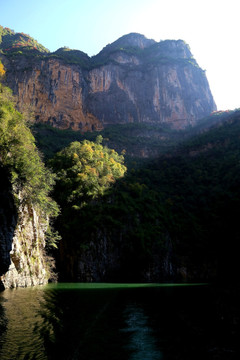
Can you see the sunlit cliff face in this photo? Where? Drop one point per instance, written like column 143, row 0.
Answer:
column 159, row 83
column 54, row 91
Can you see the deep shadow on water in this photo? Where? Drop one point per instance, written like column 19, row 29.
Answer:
column 107, row 321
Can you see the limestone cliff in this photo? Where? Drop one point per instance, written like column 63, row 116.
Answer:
column 132, row 80
column 22, row 241
column 54, row 90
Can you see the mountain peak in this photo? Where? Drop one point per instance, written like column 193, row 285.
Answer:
column 131, row 40
column 134, row 40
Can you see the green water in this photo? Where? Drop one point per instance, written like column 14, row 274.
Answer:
column 90, row 286
column 113, row 321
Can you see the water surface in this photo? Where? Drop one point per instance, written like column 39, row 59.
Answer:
column 113, row 321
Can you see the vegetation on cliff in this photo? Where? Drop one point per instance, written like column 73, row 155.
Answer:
column 17, row 43
column 133, row 80
column 133, row 44
column 20, row 154
column 147, row 51
column 31, row 180
column 198, row 188
column 139, row 141
column 31, row 234
column 70, row 56
column 182, row 205
column 85, row 172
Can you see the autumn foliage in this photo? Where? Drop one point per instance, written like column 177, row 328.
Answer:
column 2, row 71
column 85, row 170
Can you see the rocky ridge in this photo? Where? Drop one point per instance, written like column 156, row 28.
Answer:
column 133, row 79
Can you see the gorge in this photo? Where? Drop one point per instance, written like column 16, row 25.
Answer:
column 147, row 90
column 120, row 196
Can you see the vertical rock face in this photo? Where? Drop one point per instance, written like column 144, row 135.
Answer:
column 132, row 80
column 22, row 261
column 55, row 92
column 28, row 264
column 8, row 221
column 173, row 95
column 106, row 259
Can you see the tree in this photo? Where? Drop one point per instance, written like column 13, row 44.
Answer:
column 85, row 170
column 20, row 155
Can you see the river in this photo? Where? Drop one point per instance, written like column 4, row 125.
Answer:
column 69, row 321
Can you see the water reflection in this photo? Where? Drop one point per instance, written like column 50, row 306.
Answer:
column 19, row 318
column 142, row 343
column 3, row 323
column 76, row 323
column 71, row 322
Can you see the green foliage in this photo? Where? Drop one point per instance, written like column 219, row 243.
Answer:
column 19, row 153
column 14, row 44
column 160, row 53
column 190, row 196
column 11, row 42
column 52, row 238
column 131, row 138
column 199, row 187
column 51, row 140
column 70, row 56
column 85, row 171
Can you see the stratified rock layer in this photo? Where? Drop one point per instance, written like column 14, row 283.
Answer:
column 132, row 80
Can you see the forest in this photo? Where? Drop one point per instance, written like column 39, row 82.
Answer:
column 172, row 216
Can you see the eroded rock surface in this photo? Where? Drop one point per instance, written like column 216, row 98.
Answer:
column 132, row 80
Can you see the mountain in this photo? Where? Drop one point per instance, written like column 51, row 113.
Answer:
column 132, row 80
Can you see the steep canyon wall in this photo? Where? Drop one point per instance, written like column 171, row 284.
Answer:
column 131, row 80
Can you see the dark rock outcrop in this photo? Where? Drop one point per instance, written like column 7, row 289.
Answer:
column 107, row 258
column 8, row 221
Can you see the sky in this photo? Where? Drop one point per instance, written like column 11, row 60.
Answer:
column 210, row 27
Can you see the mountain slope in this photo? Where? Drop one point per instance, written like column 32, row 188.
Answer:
column 133, row 79
column 172, row 218
column 11, row 42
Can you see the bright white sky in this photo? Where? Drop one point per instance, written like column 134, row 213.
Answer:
column 210, row 27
